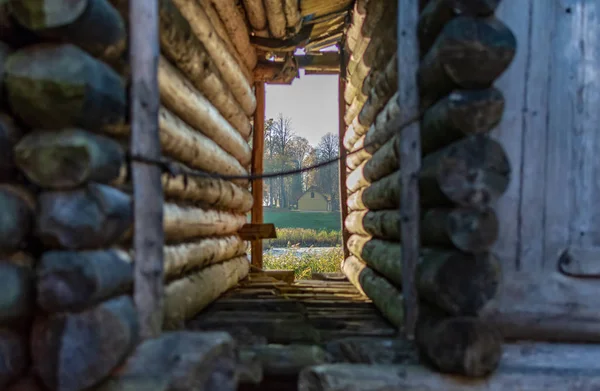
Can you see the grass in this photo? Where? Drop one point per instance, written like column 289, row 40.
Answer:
column 303, row 264
column 303, row 237
column 319, row 221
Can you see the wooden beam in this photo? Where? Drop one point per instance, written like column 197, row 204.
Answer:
column 410, row 157
column 342, row 152
column 324, row 62
column 257, row 231
column 258, row 151
column 148, row 195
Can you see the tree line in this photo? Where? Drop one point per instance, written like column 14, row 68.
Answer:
column 285, row 150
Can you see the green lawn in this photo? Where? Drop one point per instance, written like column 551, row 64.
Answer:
column 320, row 221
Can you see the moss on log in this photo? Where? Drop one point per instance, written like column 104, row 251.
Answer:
column 14, row 357
column 379, row 88
column 94, row 25
column 459, row 283
column 182, row 48
column 178, row 361
column 386, row 297
column 94, row 216
column 469, row 53
column 17, row 209
column 437, row 13
column 381, row 256
column 51, row 86
column 458, row 345
column 69, row 158
column 74, row 351
column 185, row 298
column 380, row 131
column 11, row 32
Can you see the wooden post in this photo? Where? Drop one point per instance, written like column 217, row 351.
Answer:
column 342, row 164
column 147, row 187
column 258, row 151
column 410, row 157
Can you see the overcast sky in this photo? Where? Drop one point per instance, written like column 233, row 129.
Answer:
column 311, row 102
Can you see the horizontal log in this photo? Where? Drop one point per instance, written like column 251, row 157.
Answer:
column 213, row 192
column 473, row 172
column 74, row 351
column 235, row 24
column 386, row 297
column 17, row 298
column 357, row 154
column 437, row 13
column 54, row 86
column 17, row 207
column 380, row 131
column 185, row 298
column 462, row 113
column 10, row 134
column 94, row 25
column 69, row 158
column 459, row 283
column 458, row 345
column 381, row 48
column 275, row 18
column 224, row 61
column 293, row 19
column 370, row 350
column 178, row 361
column 185, row 101
column 467, row 229
column 14, row 357
column 469, row 53
column 221, row 30
column 282, row 360
column 255, row 11
column 249, row 369
column 182, row 48
column 375, row 11
column 90, row 217
column 98, row 216
column 379, row 89
column 72, row 281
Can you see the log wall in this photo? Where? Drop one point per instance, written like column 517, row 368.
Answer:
column 464, row 49
column 66, row 240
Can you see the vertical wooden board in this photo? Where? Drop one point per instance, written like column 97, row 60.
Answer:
column 584, row 30
column 537, row 45
column 147, row 185
column 258, row 151
column 510, row 134
column 563, row 117
column 410, row 156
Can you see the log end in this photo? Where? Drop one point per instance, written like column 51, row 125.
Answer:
column 475, row 111
column 474, row 171
column 459, row 283
column 39, row 15
column 473, row 230
column 462, row 346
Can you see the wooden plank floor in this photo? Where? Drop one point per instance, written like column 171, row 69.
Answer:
column 262, row 309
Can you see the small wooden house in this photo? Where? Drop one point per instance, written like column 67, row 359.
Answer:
column 312, row 200
column 468, row 192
